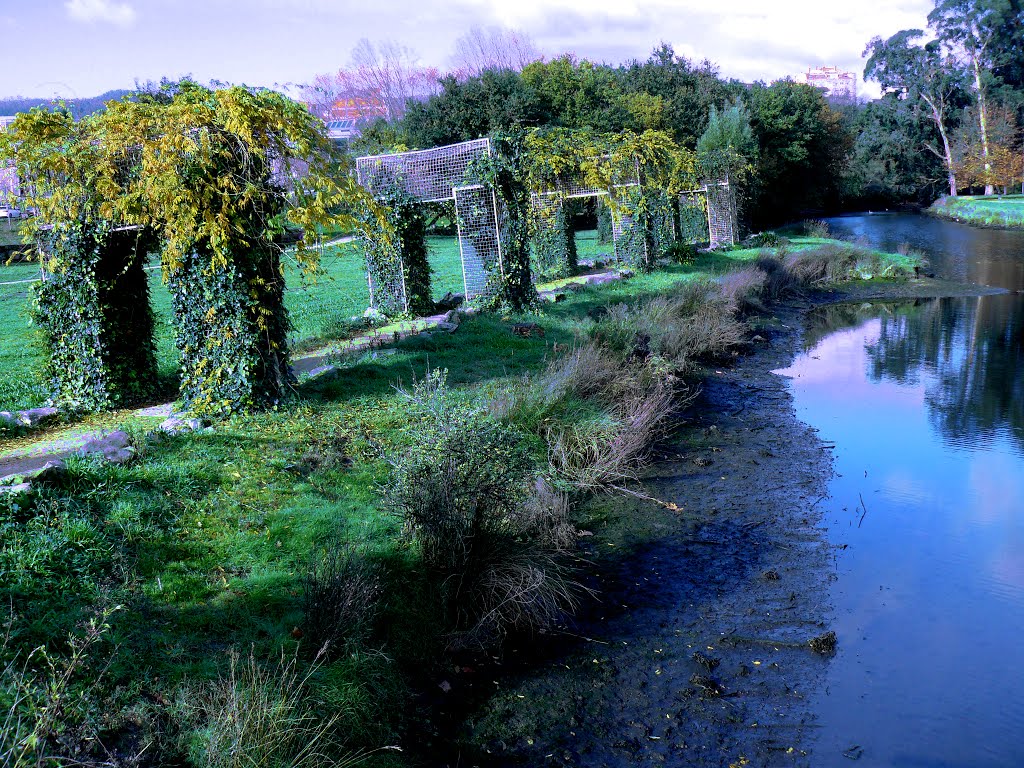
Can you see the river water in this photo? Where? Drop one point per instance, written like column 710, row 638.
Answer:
column 924, row 402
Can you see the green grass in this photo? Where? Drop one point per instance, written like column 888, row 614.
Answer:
column 9, row 235
column 205, row 539
column 993, row 211
column 588, row 247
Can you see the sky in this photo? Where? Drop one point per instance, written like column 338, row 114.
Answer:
column 79, row 48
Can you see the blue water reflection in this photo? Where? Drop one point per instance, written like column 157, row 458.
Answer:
column 925, row 404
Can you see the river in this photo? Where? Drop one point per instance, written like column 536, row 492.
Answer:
column 924, row 402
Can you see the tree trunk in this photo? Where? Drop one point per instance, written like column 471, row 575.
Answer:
column 947, row 150
column 983, row 121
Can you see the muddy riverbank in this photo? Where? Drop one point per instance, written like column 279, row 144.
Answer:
column 704, row 640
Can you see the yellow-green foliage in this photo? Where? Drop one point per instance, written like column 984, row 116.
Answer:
column 216, row 175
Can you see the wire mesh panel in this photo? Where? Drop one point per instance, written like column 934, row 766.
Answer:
column 721, row 214
column 385, row 274
column 477, row 217
column 628, row 238
column 551, row 238
column 429, row 175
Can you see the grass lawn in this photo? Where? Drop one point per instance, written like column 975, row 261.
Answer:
column 588, row 247
column 206, row 540
column 995, row 210
column 321, row 307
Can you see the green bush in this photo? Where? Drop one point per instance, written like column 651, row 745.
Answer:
column 681, row 253
column 767, row 240
column 464, row 488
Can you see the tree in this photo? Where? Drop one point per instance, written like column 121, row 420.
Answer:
column 380, row 81
column 497, row 100
column 969, row 28
column 727, row 145
column 803, row 150
column 492, row 48
column 919, row 72
column 887, row 164
column 686, row 91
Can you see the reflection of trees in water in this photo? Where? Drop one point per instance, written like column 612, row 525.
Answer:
column 971, row 350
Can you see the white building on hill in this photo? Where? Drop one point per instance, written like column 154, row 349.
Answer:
column 839, row 85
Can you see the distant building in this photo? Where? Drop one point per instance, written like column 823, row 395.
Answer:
column 839, row 85
column 5, row 120
column 342, row 131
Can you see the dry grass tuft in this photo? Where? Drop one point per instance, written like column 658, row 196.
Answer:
column 260, row 716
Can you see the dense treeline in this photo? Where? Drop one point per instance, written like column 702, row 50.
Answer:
column 791, row 159
column 949, row 118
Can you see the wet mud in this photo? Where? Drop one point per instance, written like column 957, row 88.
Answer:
column 710, row 625
column 697, row 649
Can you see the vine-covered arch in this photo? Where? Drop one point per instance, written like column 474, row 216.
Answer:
column 207, row 177
column 635, row 174
column 405, row 180
column 708, row 214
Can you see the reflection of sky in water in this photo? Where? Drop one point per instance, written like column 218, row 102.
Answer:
column 929, row 601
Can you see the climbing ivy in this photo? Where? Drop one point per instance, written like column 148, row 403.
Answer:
column 396, row 250
column 641, row 173
column 554, row 243
column 231, row 331
column 92, row 306
column 216, row 175
column 504, row 171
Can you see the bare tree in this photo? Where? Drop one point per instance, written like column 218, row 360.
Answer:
column 379, row 81
column 492, row 48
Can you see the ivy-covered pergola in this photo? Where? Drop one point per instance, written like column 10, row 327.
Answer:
column 397, row 269
column 206, row 178
column 509, row 193
column 636, row 175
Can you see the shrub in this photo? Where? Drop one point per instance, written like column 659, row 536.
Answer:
column 681, row 253
column 704, row 336
column 767, row 240
column 597, row 455
column 585, row 372
column 463, row 488
column 826, row 264
column 742, row 288
column 341, row 595
column 816, row 228
column 692, row 324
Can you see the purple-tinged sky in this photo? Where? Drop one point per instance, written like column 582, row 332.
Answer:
column 77, row 48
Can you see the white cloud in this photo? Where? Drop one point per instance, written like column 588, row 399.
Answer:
column 109, row 11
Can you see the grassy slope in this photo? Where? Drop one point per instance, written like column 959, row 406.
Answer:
column 996, row 211
column 206, row 539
